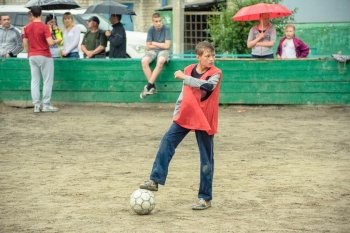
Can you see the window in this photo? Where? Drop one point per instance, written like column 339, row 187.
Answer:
column 195, row 29
column 21, row 20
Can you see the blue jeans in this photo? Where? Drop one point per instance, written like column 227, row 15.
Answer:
column 166, row 150
column 72, row 55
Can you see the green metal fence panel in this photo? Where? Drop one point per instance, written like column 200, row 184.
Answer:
column 245, row 81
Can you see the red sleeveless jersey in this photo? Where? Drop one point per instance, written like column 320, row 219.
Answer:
column 196, row 113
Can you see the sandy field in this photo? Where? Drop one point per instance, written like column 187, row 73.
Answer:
column 277, row 169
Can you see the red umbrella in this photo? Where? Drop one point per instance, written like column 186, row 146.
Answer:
column 254, row 12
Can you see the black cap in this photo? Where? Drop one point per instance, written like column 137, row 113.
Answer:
column 95, row 19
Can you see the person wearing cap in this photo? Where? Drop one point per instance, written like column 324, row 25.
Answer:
column 95, row 40
column 117, row 38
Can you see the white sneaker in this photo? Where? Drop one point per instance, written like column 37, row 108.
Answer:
column 201, row 204
column 36, row 108
column 49, row 108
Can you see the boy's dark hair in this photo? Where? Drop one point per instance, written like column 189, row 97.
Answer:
column 202, row 46
column 156, row 15
column 36, row 11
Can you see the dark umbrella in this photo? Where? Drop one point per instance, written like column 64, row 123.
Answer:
column 53, row 4
column 109, row 7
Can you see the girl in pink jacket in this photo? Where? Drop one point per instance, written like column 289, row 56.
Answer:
column 291, row 46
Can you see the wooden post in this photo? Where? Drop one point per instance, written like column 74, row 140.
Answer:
column 178, row 27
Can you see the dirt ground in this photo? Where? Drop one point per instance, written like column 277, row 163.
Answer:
column 277, row 169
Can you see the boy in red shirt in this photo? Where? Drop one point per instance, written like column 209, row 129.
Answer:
column 36, row 40
column 196, row 110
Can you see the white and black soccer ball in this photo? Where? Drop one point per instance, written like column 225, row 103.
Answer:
column 142, row 201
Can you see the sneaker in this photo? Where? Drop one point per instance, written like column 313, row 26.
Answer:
column 201, row 204
column 49, row 108
column 36, row 108
column 146, row 92
column 149, row 185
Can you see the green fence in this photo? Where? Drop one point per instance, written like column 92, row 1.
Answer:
column 245, row 81
column 325, row 38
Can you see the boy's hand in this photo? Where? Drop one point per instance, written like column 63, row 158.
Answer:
column 179, row 74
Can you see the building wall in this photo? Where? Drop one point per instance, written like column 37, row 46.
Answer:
column 320, row 11
column 143, row 9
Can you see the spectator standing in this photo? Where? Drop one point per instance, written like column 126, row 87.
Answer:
column 117, row 38
column 158, row 45
column 95, row 40
column 196, row 110
column 261, row 38
column 291, row 46
column 10, row 38
column 71, row 35
column 56, row 34
column 36, row 40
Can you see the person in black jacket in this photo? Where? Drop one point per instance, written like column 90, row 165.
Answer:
column 117, row 38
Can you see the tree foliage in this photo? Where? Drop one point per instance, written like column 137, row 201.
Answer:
column 231, row 37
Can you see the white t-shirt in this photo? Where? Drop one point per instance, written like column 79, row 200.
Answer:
column 288, row 49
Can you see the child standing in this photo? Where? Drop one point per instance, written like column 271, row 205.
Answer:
column 196, row 110
column 56, row 34
column 291, row 46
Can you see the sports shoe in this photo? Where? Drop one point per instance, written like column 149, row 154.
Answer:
column 36, row 108
column 201, row 204
column 146, row 92
column 149, row 185
column 49, row 108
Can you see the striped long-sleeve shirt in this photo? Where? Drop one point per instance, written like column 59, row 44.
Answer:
column 10, row 41
column 207, row 86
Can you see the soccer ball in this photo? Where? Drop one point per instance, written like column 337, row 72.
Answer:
column 142, row 201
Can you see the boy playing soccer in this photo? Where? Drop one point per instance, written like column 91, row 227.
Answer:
column 196, row 110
